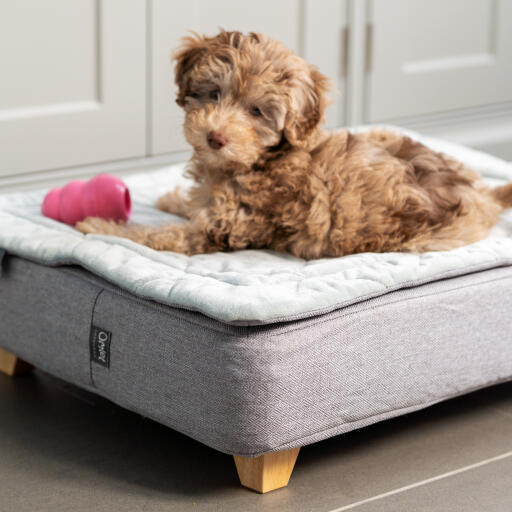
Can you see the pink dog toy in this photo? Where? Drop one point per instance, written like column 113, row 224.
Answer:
column 102, row 196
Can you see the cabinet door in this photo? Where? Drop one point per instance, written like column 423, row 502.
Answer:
column 72, row 86
column 286, row 20
column 431, row 56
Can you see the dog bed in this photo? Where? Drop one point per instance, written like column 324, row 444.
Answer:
column 255, row 353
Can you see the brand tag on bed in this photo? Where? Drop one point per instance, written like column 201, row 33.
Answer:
column 2, row 254
column 100, row 346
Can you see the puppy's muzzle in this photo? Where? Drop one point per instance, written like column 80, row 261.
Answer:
column 216, row 140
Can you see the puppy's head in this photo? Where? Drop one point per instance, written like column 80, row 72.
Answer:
column 243, row 94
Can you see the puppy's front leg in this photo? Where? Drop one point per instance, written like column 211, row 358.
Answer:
column 188, row 238
column 99, row 226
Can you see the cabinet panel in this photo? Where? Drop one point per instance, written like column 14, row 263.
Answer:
column 73, row 83
column 325, row 44
column 284, row 20
column 431, row 56
column 36, row 69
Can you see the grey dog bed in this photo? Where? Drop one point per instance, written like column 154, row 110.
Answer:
column 249, row 390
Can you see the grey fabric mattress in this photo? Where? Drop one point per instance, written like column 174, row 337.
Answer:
column 248, row 390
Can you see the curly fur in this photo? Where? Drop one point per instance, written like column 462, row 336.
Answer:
column 281, row 182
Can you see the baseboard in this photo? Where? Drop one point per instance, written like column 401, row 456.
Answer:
column 54, row 177
column 489, row 132
column 492, row 136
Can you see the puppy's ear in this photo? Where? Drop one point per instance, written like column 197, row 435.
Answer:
column 187, row 56
column 306, row 112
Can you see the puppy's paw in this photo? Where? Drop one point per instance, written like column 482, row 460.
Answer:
column 167, row 238
column 98, row 226
column 173, row 202
column 166, row 202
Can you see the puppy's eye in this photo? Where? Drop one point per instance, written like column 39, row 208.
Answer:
column 194, row 95
column 214, row 95
column 255, row 111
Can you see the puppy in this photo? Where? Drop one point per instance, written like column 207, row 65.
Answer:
column 267, row 176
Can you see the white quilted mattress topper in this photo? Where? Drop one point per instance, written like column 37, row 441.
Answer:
column 244, row 287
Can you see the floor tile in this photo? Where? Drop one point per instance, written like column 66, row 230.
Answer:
column 63, row 448
column 487, row 488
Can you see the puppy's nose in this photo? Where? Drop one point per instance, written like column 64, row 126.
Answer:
column 216, row 140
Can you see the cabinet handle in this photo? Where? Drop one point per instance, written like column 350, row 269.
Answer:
column 345, row 38
column 368, row 47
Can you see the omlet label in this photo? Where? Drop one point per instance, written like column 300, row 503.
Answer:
column 2, row 254
column 100, row 346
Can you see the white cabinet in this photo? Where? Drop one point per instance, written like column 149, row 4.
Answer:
column 429, row 56
column 87, row 85
column 309, row 28
column 72, row 83
column 325, row 44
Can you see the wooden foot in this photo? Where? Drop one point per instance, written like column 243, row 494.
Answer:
column 267, row 472
column 12, row 365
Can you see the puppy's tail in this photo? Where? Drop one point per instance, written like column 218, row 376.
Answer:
column 503, row 195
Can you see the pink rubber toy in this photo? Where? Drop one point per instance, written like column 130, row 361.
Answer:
column 103, row 196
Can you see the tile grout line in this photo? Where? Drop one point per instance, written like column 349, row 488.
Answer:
column 424, row 482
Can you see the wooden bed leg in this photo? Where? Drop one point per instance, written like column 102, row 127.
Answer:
column 267, row 472
column 12, row 365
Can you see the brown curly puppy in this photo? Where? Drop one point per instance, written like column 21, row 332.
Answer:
column 267, row 176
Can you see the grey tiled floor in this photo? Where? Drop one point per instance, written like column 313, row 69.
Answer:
column 62, row 449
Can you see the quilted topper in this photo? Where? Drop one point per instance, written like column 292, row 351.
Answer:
column 243, row 287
